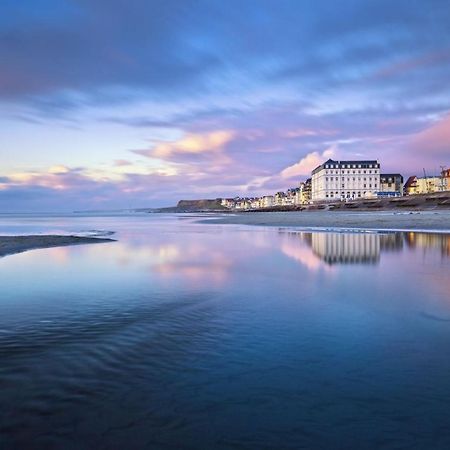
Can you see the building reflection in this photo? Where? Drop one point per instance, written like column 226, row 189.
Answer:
column 340, row 248
column 440, row 242
column 358, row 248
column 391, row 242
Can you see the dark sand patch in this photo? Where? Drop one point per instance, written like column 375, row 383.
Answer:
column 17, row 244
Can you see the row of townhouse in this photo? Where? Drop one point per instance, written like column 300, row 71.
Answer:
column 428, row 184
column 300, row 195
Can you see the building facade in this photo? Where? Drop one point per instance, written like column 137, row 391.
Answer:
column 268, row 201
column 391, row 184
column 279, row 198
column 410, row 187
column 303, row 193
column 229, row 202
column 345, row 180
column 446, row 179
column 428, row 185
column 424, row 185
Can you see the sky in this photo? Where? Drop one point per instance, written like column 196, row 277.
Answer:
column 110, row 104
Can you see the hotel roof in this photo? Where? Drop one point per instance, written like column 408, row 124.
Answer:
column 363, row 163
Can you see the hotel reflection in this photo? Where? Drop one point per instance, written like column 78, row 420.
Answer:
column 365, row 248
column 339, row 248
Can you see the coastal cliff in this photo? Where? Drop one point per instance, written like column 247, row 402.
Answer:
column 202, row 205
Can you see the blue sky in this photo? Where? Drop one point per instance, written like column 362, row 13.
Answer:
column 112, row 104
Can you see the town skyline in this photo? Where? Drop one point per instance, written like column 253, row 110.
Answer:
column 111, row 105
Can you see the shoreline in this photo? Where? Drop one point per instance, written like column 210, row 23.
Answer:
column 340, row 221
column 10, row 245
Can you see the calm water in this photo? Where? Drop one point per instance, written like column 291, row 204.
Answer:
column 184, row 335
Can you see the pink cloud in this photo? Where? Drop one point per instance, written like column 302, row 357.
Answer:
column 122, row 163
column 307, row 164
column 435, row 140
column 193, row 143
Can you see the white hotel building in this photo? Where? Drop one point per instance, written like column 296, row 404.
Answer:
column 341, row 180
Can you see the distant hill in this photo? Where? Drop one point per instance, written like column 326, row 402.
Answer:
column 202, row 205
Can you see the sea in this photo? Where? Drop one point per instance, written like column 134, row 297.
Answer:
column 187, row 335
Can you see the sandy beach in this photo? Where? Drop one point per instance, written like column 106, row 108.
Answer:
column 17, row 244
column 436, row 221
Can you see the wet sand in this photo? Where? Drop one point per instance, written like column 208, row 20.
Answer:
column 17, row 244
column 374, row 220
